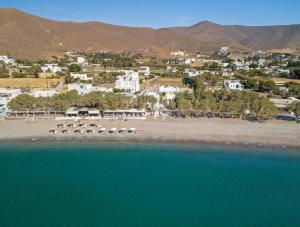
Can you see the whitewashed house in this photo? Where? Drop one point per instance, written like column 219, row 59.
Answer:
column 227, row 72
column 223, row 51
column 280, row 71
column 171, row 69
column 261, row 62
column 144, row 70
column 129, row 82
column 80, row 60
column 225, row 65
column 80, row 88
column 154, row 94
column 6, row 60
column 189, row 61
column 81, row 76
column 192, row 72
column 42, row 93
column 233, row 85
column 177, row 53
column 201, row 72
column 83, row 89
column 282, row 103
column 54, row 68
column 168, row 92
column 6, row 95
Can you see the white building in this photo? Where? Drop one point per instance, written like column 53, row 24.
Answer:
column 144, row 70
column 192, row 72
column 129, row 82
column 42, row 93
column 225, row 65
column 168, row 92
column 155, row 95
column 54, row 68
column 227, row 72
column 189, row 61
column 280, row 71
column 80, row 60
column 261, row 62
column 207, row 71
column 87, row 88
column 81, row 76
column 6, row 95
column 177, row 53
column 282, row 103
column 171, row 69
column 233, row 85
column 223, row 51
column 6, row 60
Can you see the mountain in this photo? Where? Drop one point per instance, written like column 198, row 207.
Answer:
column 26, row 36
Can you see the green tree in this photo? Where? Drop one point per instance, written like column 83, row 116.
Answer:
column 3, row 71
column 295, row 108
column 74, row 68
column 22, row 102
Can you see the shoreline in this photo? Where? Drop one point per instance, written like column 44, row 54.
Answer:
column 217, row 143
column 228, row 132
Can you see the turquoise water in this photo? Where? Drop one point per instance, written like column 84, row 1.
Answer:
column 132, row 184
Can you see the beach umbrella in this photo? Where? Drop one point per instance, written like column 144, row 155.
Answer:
column 112, row 130
column 102, row 130
column 132, row 130
column 52, row 131
column 122, row 130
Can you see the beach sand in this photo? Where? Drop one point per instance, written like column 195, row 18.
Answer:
column 227, row 131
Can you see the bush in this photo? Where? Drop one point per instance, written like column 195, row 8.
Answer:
column 74, row 68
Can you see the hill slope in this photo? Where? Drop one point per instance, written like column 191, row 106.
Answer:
column 27, row 36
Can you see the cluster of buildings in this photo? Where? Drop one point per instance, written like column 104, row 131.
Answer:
column 7, row 60
column 6, row 95
column 128, row 81
column 53, row 68
column 85, row 88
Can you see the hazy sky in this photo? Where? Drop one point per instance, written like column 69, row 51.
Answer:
column 164, row 13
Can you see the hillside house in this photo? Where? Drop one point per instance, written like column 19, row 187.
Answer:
column 54, row 68
column 80, row 76
column 42, row 93
column 6, row 60
column 128, row 82
column 6, row 95
column 233, row 85
column 168, row 92
column 144, row 70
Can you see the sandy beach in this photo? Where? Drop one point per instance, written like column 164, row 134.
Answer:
column 227, row 131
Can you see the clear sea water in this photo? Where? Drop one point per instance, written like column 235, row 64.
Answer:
column 134, row 184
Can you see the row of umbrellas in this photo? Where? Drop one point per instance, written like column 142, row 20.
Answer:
column 73, row 125
column 92, row 131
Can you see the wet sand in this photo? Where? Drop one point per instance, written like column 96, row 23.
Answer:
column 214, row 131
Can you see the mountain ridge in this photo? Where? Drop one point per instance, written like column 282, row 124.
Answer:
column 27, row 36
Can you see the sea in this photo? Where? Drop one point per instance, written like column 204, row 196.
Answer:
column 94, row 183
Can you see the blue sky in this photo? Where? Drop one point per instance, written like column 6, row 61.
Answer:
column 164, row 13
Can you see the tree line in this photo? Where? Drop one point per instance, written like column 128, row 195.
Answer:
column 223, row 101
column 95, row 100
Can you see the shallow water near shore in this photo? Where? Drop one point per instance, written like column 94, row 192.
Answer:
column 78, row 183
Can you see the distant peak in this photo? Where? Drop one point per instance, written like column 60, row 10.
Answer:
column 204, row 23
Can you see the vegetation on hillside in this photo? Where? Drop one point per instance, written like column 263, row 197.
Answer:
column 113, row 60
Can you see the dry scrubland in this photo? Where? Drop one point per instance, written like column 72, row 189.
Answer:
column 32, row 41
column 156, row 82
column 29, row 82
